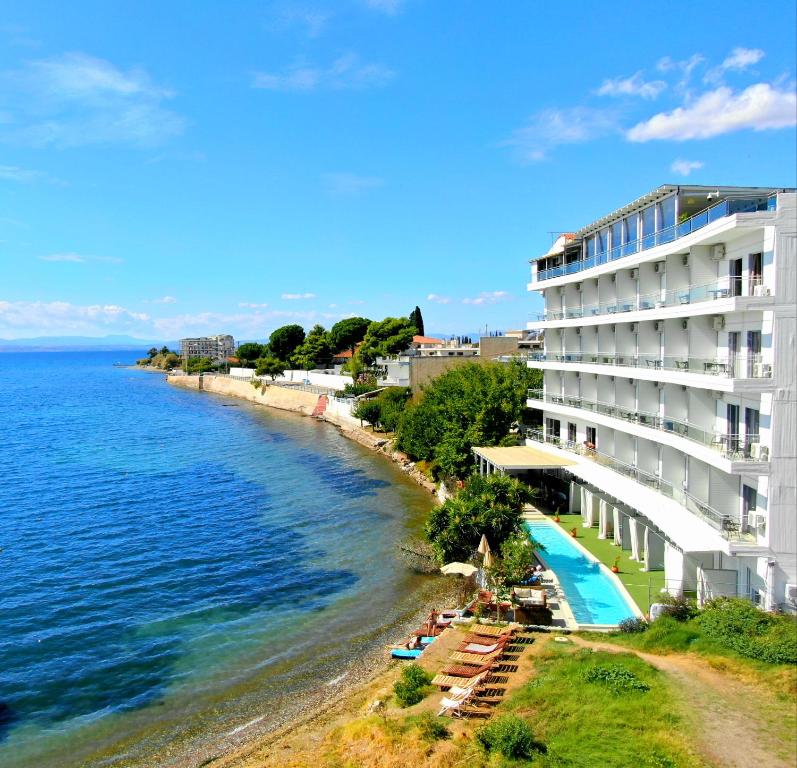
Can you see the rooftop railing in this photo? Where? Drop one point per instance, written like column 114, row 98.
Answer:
column 693, row 294
column 749, row 366
column 728, row 526
column 667, row 235
column 735, row 447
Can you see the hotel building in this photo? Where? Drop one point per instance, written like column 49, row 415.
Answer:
column 669, row 371
column 215, row 347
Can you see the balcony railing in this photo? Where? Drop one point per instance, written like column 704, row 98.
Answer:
column 728, row 526
column 667, row 235
column 735, row 447
column 692, row 294
column 736, row 367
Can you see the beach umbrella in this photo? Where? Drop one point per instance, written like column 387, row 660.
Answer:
column 484, row 546
column 488, row 559
column 459, row 569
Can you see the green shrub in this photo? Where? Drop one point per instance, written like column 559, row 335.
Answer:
column 632, row 625
column 432, row 728
column 738, row 624
column 678, row 607
column 410, row 688
column 509, row 735
column 616, row 677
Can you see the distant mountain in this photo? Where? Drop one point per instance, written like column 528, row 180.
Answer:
column 75, row 343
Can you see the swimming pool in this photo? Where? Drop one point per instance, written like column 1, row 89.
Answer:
column 592, row 595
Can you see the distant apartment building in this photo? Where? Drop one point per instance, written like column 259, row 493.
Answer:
column 670, row 373
column 215, row 347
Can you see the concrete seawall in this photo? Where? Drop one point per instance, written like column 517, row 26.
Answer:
column 284, row 398
column 300, row 401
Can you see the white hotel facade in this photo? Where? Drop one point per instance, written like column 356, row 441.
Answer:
column 669, row 371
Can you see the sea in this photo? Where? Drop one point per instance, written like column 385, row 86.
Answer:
column 178, row 570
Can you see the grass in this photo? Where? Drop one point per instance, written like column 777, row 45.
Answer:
column 643, row 586
column 591, row 723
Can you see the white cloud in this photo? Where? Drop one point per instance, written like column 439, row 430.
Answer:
column 759, row 107
column 34, row 318
column 75, row 100
column 346, row 72
column 685, row 167
column 632, row 86
column 685, row 67
column 346, row 184
column 163, row 300
column 437, row 299
column 77, row 258
column 310, row 20
column 26, row 175
column 390, row 7
column 297, row 296
column 488, row 297
column 738, row 60
column 250, row 305
column 551, row 127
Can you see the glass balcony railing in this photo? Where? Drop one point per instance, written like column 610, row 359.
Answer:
column 692, row 294
column 667, row 235
column 736, row 367
column 729, row 526
column 735, row 447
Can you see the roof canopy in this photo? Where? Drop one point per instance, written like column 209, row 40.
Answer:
column 522, row 457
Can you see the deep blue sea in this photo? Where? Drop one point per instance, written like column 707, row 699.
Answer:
column 177, row 566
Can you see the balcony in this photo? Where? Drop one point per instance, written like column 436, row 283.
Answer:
column 730, row 446
column 667, row 235
column 737, row 367
column 693, row 294
column 728, row 526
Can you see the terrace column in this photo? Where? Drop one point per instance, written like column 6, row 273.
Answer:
column 674, row 565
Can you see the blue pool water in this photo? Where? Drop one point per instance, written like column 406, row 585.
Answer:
column 593, row 596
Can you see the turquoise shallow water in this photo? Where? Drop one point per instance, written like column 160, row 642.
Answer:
column 593, row 597
column 168, row 553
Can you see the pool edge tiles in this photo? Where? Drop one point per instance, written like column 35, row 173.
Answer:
column 595, row 596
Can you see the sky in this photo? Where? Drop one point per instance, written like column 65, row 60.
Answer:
column 187, row 168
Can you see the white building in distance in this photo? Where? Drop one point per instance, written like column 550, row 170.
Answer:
column 669, row 375
column 215, row 347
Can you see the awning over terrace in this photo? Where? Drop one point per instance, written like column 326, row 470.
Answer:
column 516, row 458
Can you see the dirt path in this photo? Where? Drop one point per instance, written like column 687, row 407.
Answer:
column 732, row 728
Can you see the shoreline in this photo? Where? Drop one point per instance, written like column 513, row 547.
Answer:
column 303, row 402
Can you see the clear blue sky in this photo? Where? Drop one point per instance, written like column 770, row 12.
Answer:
column 176, row 168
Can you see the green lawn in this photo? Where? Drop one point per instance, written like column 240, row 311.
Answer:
column 583, row 721
column 641, row 585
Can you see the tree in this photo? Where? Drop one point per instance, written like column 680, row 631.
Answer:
column 516, row 561
column 250, row 352
column 392, row 402
column 315, row 351
column 386, row 337
column 269, row 366
column 200, row 365
column 164, row 350
column 474, row 404
column 283, row 341
column 491, row 505
column 370, row 410
column 152, row 352
column 417, row 320
column 347, row 333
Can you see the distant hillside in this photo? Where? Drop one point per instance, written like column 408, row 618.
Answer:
column 76, row 343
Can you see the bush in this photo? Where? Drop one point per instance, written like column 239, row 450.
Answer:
column 632, row 625
column 509, row 735
column 738, row 624
column 432, row 728
column 678, row 607
column 410, row 688
column 616, row 677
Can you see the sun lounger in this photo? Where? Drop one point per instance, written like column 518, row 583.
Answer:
column 474, row 658
column 467, row 646
column 490, row 630
column 463, row 670
column 406, row 653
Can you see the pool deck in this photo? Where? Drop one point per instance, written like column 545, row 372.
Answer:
column 557, row 601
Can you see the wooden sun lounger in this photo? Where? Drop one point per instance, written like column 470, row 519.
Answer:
column 474, row 658
column 450, row 681
column 490, row 630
